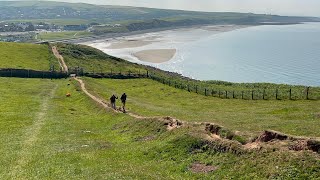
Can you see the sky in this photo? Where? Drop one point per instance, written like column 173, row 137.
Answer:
column 280, row 7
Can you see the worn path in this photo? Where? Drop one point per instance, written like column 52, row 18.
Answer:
column 32, row 135
column 172, row 122
column 62, row 63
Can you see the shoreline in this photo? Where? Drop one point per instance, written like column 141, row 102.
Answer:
column 154, row 54
column 133, row 33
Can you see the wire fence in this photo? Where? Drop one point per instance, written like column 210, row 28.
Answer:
column 274, row 93
column 281, row 93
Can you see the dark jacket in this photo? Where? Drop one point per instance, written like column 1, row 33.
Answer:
column 123, row 97
column 113, row 98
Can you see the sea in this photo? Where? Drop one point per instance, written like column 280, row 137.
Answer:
column 283, row 54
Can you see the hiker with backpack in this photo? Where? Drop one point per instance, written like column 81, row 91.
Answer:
column 113, row 101
column 123, row 100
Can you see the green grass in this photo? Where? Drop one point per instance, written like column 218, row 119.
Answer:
column 26, row 56
column 93, row 60
column 63, row 35
column 150, row 98
column 61, row 22
column 76, row 139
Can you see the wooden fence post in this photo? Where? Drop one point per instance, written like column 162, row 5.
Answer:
column 263, row 96
column 205, row 91
column 308, row 88
column 290, row 93
column 226, row 94
column 252, row 94
column 276, row 94
column 188, row 87
column 233, row 96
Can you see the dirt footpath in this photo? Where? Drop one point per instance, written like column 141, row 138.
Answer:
column 63, row 65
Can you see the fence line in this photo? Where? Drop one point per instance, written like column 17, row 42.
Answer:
column 298, row 93
column 27, row 73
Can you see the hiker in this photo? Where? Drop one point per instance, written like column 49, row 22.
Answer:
column 113, row 101
column 123, row 100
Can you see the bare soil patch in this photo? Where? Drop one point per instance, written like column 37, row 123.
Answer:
column 172, row 123
column 267, row 136
column 202, row 168
column 299, row 145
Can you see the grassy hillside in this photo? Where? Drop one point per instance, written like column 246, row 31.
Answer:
column 93, row 60
column 51, row 136
column 151, row 98
column 129, row 18
column 26, row 56
column 35, row 10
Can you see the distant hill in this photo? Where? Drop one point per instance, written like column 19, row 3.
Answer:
column 28, row 10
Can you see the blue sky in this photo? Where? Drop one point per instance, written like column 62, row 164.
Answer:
column 281, row 7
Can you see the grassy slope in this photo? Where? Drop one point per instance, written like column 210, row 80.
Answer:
column 150, row 98
column 26, row 56
column 74, row 144
column 33, row 10
column 93, row 60
column 63, row 35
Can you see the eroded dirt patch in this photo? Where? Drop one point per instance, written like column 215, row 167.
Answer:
column 299, row 145
column 267, row 136
column 202, row 168
column 172, row 123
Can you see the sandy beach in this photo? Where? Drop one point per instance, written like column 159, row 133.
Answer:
column 157, row 47
column 155, row 55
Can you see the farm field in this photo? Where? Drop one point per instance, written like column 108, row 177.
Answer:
column 26, row 56
column 150, row 98
column 46, row 135
column 62, row 35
